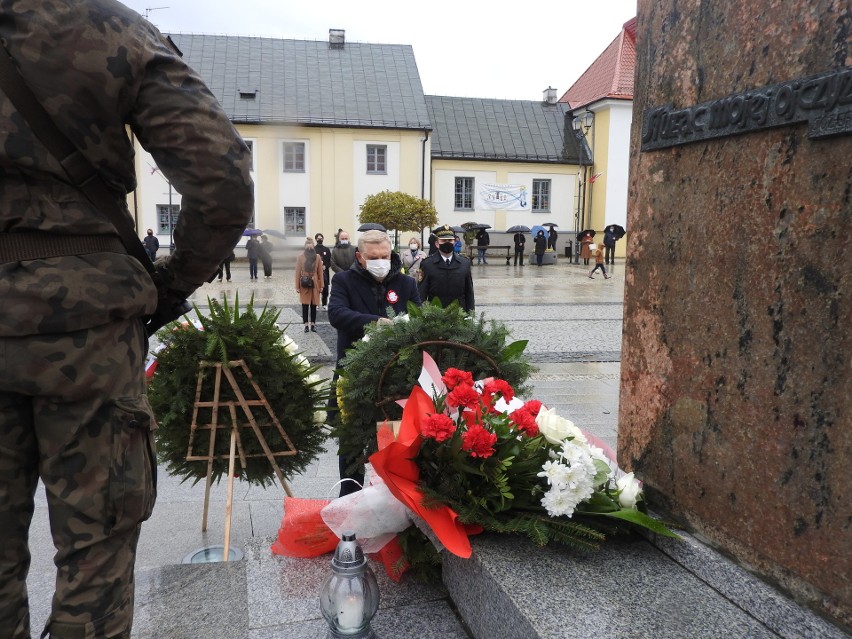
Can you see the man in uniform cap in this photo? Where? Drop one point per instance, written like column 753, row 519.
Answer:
column 446, row 275
column 73, row 408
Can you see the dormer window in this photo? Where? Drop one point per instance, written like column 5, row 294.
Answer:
column 248, row 95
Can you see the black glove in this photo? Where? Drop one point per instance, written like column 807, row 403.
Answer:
column 171, row 303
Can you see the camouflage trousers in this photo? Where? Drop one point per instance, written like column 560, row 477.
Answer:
column 73, row 411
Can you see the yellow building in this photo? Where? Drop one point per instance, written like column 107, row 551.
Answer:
column 505, row 163
column 329, row 123
column 605, row 92
column 332, row 122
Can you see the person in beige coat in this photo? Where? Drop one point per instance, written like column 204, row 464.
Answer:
column 309, row 283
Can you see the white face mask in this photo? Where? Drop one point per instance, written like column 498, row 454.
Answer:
column 344, row 242
column 413, row 247
column 378, row 268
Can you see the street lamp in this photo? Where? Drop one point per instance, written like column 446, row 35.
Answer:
column 581, row 125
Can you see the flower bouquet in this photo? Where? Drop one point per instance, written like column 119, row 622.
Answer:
column 474, row 455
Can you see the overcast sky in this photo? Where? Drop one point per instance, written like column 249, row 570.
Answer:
column 463, row 48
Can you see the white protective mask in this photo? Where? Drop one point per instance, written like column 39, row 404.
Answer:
column 378, row 268
column 344, row 242
column 413, row 247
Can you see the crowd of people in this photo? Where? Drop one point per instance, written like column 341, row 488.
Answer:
column 416, row 260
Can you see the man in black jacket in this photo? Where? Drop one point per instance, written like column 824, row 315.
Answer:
column 361, row 295
column 520, row 244
column 364, row 293
column 445, row 275
column 482, row 242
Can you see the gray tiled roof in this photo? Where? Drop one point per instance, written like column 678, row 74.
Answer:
column 308, row 82
column 509, row 130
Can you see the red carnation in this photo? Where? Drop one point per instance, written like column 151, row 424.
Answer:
column 463, row 395
column 499, row 386
column 494, row 386
column 479, row 442
column 453, row 377
column 439, row 427
column 525, row 421
column 533, row 406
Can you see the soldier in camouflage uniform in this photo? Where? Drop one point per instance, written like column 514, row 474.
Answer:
column 73, row 408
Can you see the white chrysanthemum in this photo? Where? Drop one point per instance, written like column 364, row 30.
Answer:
column 402, row 318
column 577, row 455
column 366, row 338
column 555, row 473
column 559, row 502
column 320, row 417
column 302, row 361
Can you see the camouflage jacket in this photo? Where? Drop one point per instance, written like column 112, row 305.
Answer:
column 103, row 72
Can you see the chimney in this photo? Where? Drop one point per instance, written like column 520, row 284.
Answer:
column 549, row 95
column 336, row 38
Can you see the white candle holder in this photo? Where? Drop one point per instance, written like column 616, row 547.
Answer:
column 349, row 597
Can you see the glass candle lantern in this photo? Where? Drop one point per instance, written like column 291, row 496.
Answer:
column 349, row 597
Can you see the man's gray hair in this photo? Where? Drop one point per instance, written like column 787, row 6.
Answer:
column 372, row 237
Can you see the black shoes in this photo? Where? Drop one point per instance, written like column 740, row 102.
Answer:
column 307, row 330
column 314, row 328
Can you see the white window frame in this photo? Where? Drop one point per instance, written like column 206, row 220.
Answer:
column 294, row 157
column 464, row 191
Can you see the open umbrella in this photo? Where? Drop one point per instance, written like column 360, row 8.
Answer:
column 467, row 225
column 275, row 233
column 586, row 232
column 250, row 232
column 537, row 228
column 617, row 231
column 371, row 226
column 549, row 224
column 458, row 229
column 477, row 227
column 518, row 228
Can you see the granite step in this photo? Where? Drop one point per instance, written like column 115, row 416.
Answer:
column 509, row 589
column 633, row 588
column 265, row 596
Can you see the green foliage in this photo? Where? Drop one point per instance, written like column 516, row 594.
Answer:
column 418, row 551
column 398, row 211
column 294, row 392
column 398, row 348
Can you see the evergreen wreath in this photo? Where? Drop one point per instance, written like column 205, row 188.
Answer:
column 384, row 365
column 295, row 393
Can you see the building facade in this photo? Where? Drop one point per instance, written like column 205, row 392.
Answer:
column 330, row 123
column 605, row 90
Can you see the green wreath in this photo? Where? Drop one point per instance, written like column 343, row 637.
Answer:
column 296, row 394
column 385, row 365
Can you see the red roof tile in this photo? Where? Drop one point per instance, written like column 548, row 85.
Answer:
column 611, row 75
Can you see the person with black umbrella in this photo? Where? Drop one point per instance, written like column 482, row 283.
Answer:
column 520, row 244
column 612, row 234
column 551, row 237
column 586, row 240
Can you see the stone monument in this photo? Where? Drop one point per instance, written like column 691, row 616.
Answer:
column 736, row 395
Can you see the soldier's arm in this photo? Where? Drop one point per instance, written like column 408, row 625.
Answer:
column 178, row 120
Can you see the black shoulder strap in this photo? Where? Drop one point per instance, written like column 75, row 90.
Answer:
column 79, row 170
